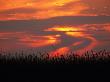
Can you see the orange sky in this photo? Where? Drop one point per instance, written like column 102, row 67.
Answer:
column 44, row 9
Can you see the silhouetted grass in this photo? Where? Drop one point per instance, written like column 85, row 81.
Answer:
column 41, row 66
column 90, row 57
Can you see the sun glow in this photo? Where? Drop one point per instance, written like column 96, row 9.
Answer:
column 64, row 28
column 75, row 34
column 68, row 30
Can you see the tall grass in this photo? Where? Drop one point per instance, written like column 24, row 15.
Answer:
column 102, row 56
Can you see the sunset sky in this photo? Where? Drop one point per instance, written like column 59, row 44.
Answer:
column 57, row 26
column 44, row 9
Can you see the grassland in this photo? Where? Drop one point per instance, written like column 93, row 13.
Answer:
column 89, row 57
column 37, row 67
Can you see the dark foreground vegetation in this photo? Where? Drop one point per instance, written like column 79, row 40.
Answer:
column 90, row 57
column 44, row 68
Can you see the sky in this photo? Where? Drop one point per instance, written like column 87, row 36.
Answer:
column 44, row 9
column 55, row 26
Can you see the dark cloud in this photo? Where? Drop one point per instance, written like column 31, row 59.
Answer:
column 39, row 25
column 19, row 11
column 69, row 20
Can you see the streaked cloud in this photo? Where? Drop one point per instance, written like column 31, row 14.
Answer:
column 44, row 9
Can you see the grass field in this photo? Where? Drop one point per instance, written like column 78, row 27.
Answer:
column 102, row 56
column 71, row 67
